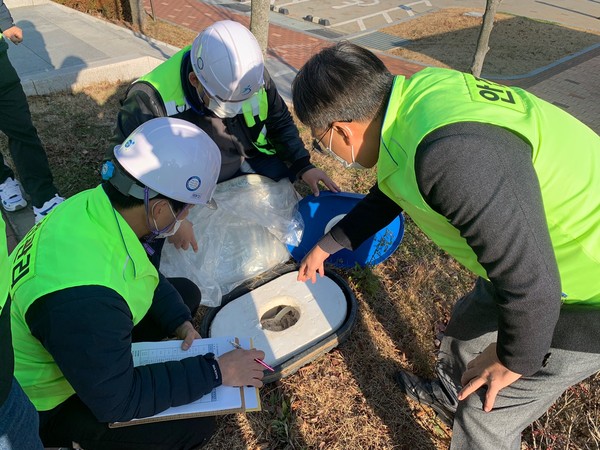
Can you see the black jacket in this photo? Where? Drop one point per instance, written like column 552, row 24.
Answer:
column 88, row 332
column 233, row 137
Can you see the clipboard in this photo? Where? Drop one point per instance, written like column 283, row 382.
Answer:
column 221, row 400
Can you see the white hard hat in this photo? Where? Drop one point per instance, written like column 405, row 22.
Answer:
column 173, row 158
column 228, row 61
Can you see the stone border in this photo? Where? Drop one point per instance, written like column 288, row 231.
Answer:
column 74, row 78
column 319, row 20
column 281, row 10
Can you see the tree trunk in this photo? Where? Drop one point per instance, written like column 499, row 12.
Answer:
column 133, row 12
column 484, row 36
column 259, row 22
column 138, row 13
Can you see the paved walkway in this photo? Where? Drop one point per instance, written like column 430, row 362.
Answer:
column 64, row 49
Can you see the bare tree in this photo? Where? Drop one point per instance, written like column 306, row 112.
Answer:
column 484, row 36
column 259, row 22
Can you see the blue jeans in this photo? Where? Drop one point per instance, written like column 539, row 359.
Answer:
column 19, row 422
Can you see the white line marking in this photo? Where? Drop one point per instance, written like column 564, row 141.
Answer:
column 355, row 3
column 360, row 20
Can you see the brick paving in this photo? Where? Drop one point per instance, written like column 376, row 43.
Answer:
column 291, row 46
column 574, row 86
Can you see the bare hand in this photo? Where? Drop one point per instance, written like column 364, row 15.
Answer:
column 184, row 237
column 484, row 370
column 14, row 33
column 312, row 264
column 313, row 176
column 188, row 333
column 238, row 368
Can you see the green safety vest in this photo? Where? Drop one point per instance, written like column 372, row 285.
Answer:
column 566, row 158
column 166, row 79
column 4, row 267
column 84, row 242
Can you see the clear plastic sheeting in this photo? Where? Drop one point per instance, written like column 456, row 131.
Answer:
column 245, row 236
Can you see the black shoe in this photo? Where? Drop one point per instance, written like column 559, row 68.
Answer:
column 427, row 392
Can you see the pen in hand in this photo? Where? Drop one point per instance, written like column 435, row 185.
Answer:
column 262, row 363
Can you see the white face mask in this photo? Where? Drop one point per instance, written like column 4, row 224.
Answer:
column 342, row 161
column 166, row 234
column 224, row 109
column 169, row 230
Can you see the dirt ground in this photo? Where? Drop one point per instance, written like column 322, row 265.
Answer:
column 518, row 45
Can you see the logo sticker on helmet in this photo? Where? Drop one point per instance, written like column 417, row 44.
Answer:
column 200, row 63
column 193, row 183
column 129, row 143
column 108, row 170
column 247, row 90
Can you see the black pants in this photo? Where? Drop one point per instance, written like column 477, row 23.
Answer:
column 73, row 420
column 23, row 142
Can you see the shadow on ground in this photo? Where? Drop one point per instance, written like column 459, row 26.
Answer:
column 518, row 45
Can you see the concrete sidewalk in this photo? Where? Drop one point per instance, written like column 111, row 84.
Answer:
column 64, row 49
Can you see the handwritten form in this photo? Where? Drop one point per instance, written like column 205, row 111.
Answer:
column 222, row 399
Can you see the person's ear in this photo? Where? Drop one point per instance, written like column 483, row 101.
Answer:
column 345, row 132
column 193, row 79
column 157, row 206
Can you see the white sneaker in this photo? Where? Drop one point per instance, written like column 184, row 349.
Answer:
column 43, row 211
column 12, row 195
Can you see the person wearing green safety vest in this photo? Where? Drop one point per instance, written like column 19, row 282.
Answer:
column 18, row 418
column 83, row 289
column 220, row 84
column 504, row 182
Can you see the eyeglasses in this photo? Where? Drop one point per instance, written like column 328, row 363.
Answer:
column 316, row 143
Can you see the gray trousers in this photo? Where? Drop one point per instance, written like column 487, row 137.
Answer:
column 472, row 327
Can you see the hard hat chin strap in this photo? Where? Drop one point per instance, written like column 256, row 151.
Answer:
column 148, row 239
column 155, row 232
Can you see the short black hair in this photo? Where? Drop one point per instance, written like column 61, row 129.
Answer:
column 121, row 201
column 341, row 83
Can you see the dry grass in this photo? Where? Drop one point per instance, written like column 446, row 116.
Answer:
column 347, row 398
column 518, row 45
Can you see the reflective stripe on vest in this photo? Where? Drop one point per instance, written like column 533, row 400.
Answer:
column 258, row 105
column 85, row 242
column 566, row 158
column 166, row 79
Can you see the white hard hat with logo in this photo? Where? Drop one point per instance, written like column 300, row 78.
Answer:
column 229, row 63
column 172, row 157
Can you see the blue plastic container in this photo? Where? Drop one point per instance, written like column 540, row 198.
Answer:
column 321, row 213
